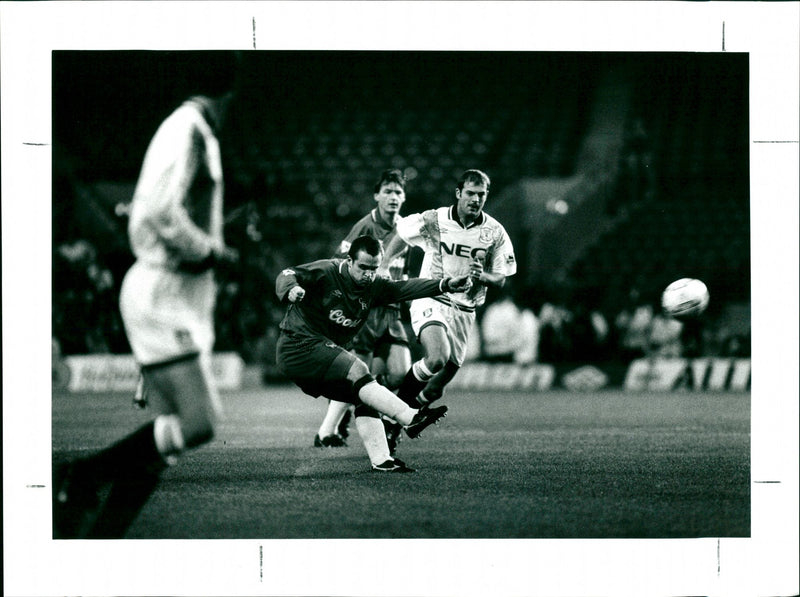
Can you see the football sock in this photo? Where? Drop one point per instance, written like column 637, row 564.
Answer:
column 126, row 499
column 333, row 415
column 133, row 465
column 414, row 382
column 378, row 397
column 374, row 438
column 168, row 436
column 137, row 450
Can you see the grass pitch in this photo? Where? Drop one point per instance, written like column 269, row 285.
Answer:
column 506, row 465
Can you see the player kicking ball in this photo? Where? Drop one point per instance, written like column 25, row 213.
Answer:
column 329, row 301
column 382, row 343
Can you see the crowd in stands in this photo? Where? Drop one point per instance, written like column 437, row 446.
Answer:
column 514, row 326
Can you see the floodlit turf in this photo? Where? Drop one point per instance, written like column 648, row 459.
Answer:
column 505, row 465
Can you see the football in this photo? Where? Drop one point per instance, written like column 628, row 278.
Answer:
column 685, row 298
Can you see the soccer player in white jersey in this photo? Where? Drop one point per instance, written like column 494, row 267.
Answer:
column 458, row 239
column 167, row 304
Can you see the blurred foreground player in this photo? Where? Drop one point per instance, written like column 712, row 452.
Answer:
column 167, row 305
column 458, row 240
column 329, row 302
column 382, row 343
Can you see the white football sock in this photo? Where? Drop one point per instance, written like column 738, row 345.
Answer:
column 421, row 371
column 334, row 414
column 168, row 436
column 378, row 397
column 374, row 438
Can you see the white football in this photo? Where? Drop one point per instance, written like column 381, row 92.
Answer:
column 685, row 298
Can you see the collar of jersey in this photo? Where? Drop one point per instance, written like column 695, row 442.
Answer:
column 454, row 217
column 379, row 220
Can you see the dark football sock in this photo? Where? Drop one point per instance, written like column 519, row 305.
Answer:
column 127, row 497
column 136, row 451
column 410, row 388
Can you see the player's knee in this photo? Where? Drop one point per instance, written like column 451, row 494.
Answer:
column 436, row 361
column 358, row 370
column 393, row 379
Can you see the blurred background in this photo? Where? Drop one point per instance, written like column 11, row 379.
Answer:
column 613, row 173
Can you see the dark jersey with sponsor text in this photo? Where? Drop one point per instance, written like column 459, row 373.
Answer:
column 334, row 305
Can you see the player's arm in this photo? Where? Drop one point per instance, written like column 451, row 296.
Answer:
column 392, row 249
column 357, row 230
column 291, row 283
column 414, row 288
column 480, row 276
column 169, row 170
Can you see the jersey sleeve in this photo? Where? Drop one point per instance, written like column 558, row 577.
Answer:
column 503, row 259
column 389, row 291
column 358, row 229
column 415, row 229
column 307, row 275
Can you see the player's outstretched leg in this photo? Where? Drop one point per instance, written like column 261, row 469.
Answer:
column 414, row 382
column 77, row 506
column 378, row 397
column 434, row 390
column 76, row 500
column 436, row 343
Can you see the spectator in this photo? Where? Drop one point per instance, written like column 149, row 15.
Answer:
column 501, row 329
column 665, row 336
column 528, row 348
column 554, row 341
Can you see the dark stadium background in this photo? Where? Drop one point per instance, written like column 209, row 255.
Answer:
column 614, row 174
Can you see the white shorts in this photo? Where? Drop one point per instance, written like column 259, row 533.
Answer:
column 457, row 322
column 167, row 315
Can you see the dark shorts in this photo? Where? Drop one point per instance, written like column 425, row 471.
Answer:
column 318, row 366
column 382, row 329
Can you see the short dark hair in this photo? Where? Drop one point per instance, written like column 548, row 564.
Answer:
column 369, row 244
column 474, row 176
column 391, row 175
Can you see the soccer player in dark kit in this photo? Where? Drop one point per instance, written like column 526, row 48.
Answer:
column 382, row 343
column 329, row 301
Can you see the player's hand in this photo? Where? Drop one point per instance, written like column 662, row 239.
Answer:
column 220, row 255
column 296, row 294
column 459, row 284
column 476, row 269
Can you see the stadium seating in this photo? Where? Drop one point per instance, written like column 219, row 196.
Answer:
column 308, row 154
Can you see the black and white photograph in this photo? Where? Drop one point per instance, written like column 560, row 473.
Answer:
column 492, row 306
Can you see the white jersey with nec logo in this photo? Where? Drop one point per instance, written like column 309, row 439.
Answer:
column 450, row 247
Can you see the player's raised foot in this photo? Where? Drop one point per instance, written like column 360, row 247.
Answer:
column 424, row 418
column 76, row 502
column 393, row 434
column 395, row 465
column 343, row 430
column 329, row 441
